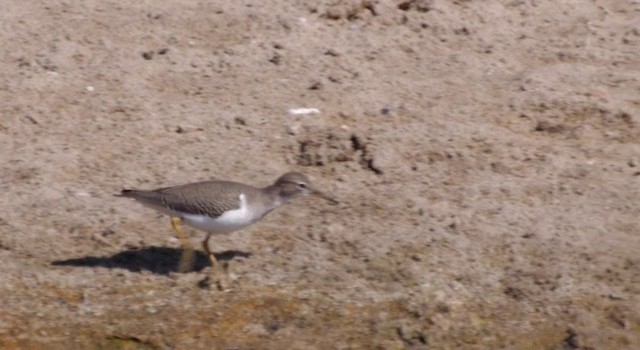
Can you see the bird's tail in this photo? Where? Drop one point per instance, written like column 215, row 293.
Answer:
column 144, row 196
column 127, row 193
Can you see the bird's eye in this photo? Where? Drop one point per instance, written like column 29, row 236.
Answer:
column 302, row 185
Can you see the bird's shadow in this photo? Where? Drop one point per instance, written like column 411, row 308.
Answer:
column 158, row 260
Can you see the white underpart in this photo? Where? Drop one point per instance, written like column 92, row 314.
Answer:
column 230, row 221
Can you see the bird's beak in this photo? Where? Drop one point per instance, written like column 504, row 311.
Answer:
column 323, row 196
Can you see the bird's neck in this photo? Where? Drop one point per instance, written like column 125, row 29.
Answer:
column 274, row 196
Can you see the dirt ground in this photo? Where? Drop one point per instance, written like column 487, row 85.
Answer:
column 486, row 156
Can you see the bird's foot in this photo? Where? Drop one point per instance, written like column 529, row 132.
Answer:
column 216, row 279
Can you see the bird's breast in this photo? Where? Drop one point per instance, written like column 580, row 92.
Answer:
column 229, row 221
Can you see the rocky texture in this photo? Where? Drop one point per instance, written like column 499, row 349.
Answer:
column 485, row 153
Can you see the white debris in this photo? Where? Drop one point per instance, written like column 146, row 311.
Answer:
column 303, row 111
column 90, row 88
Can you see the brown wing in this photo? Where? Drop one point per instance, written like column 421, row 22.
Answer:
column 211, row 198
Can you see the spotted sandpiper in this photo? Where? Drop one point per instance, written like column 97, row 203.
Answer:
column 218, row 207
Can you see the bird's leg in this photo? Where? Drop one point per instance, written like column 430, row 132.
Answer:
column 205, row 246
column 186, row 258
column 218, row 278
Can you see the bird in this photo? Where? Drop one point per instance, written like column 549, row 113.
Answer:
column 221, row 207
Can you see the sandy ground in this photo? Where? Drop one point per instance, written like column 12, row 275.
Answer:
column 486, row 155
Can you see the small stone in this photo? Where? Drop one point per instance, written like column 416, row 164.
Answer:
column 331, row 52
column 317, row 85
column 240, row 121
column 293, row 129
column 388, row 110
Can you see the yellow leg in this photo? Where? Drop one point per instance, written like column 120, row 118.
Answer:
column 205, row 246
column 221, row 279
column 186, row 259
